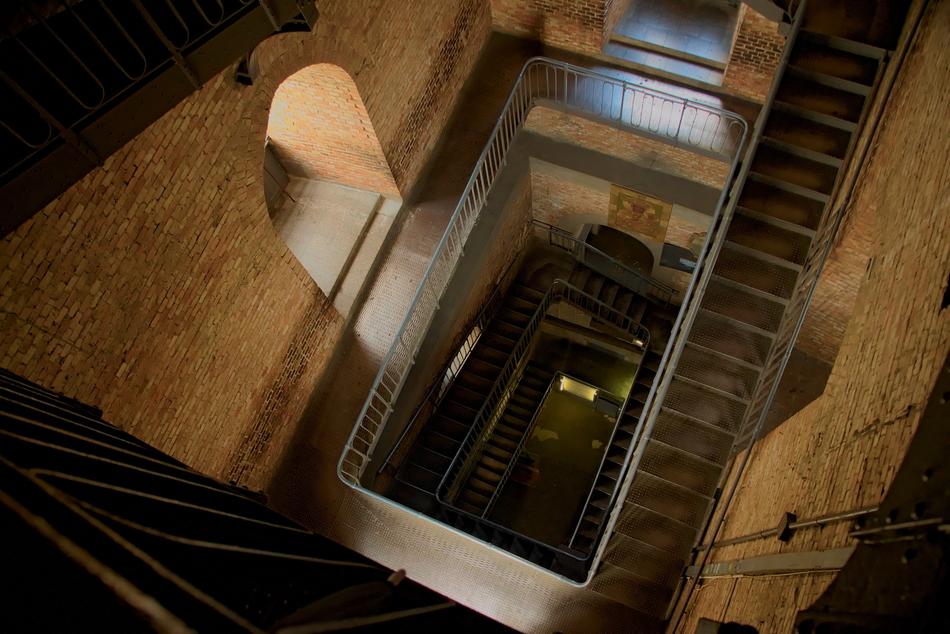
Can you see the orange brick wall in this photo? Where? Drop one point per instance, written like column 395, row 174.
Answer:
column 635, row 148
column 755, row 56
column 837, row 290
column 320, row 128
column 842, row 450
column 156, row 287
column 576, row 25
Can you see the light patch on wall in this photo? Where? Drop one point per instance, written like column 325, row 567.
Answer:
column 638, row 213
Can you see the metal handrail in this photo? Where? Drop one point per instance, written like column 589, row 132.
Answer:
column 98, row 52
column 705, row 264
column 445, row 378
column 618, row 271
column 603, row 459
column 594, row 307
column 699, row 127
column 507, row 382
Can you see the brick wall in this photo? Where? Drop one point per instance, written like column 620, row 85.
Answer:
column 837, row 291
column 635, row 148
column 156, row 288
column 320, row 128
column 755, row 55
column 614, row 10
column 576, row 25
column 842, row 450
column 569, row 200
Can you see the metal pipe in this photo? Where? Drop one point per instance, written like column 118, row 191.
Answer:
column 821, row 520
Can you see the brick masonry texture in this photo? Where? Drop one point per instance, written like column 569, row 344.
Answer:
column 576, row 25
column 756, row 53
column 320, row 129
column 635, row 148
column 842, row 451
column 156, row 287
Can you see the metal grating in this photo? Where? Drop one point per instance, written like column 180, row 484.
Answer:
column 730, row 339
column 631, row 590
column 737, row 304
column 768, row 238
column 644, row 560
column 680, row 467
column 655, row 529
column 765, row 276
column 705, row 405
column 711, row 443
column 717, row 371
column 666, row 498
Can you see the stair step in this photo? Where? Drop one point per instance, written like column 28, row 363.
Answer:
column 825, row 100
column 644, row 560
column 429, row 459
column 508, row 330
column 655, row 529
column 623, row 302
column 522, row 305
column 474, row 381
column 479, row 485
column 680, row 467
column 420, row 477
column 717, row 370
column 669, row 52
column 704, row 405
column 669, row 499
column 508, row 432
column 474, row 498
column 665, row 64
column 748, row 289
column 778, row 223
column 492, row 463
column 742, row 307
column 782, row 204
column 412, row 496
column 766, row 277
column 875, row 23
column 821, row 57
column 487, row 370
column 732, row 338
column 449, row 427
column 631, row 590
column 497, row 452
column 487, row 475
column 821, row 142
column 773, row 161
column 791, row 148
column 594, row 285
column 803, row 112
column 700, row 439
column 458, row 411
column 841, row 44
column 466, row 395
column 439, row 443
column 715, row 391
column 827, row 80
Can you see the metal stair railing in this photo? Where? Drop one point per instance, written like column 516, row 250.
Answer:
column 692, row 125
column 704, row 270
column 794, row 315
column 445, row 378
column 507, row 382
column 606, row 265
column 603, row 460
column 594, row 307
column 66, row 67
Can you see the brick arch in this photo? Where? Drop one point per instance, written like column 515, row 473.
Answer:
column 320, row 128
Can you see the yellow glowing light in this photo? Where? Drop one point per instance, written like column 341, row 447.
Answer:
column 578, row 389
